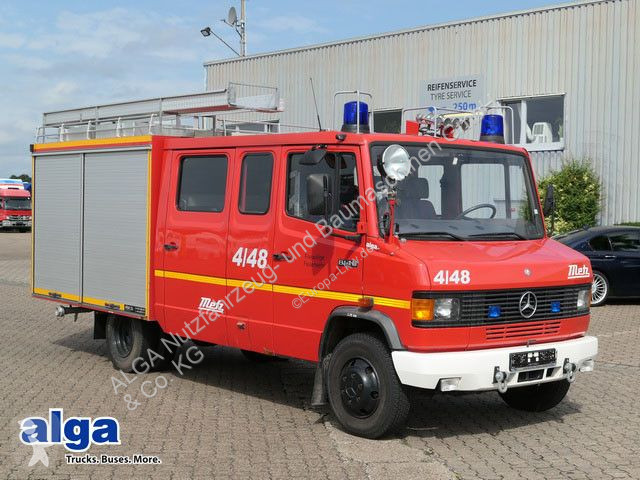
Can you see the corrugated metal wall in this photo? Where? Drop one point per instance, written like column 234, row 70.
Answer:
column 586, row 51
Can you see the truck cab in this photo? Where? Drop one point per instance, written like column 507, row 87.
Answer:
column 388, row 260
column 15, row 207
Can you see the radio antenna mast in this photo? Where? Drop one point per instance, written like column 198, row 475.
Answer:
column 315, row 101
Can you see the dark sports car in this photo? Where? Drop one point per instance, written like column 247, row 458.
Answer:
column 615, row 258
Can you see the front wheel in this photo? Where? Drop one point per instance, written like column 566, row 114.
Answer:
column 599, row 289
column 364, row 391
column 536, row 398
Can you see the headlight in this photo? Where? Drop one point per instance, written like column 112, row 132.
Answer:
column 584, row 300
column 425, row 310
column 446, row 309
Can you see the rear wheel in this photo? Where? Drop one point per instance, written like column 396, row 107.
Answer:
column 364, row 391
column 536, row 398
column 130, row 343
column 599, row 289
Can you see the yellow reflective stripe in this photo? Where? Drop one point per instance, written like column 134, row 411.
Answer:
column 267, row 287
column 92, row 142
column 347, row 297
column 102, row 303
column 54, row 294
column 191, row 277
column 392, row 302
column 285, row 289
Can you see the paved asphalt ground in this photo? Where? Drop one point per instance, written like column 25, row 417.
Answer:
column 231, row 418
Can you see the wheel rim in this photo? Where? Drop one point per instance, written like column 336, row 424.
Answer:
column 123, row 337
column 359, row 388
column 598, row 289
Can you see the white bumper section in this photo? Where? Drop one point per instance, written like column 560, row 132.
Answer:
column 476, row 369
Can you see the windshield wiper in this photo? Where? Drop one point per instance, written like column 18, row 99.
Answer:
column 499, row 235
column 432, row 234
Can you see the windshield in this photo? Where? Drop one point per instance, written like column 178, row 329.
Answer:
column 461, row 194
column 17, row 204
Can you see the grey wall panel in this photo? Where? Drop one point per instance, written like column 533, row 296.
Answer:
column 115, row 227
column 57, row 231
column 586, row 50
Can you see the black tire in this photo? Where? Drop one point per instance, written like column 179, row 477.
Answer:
column 536, row 398
column 600, row 281
column 364, row 391
column 129, row 342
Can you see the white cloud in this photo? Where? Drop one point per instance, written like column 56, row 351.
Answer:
column 291, row 23
column 11, row 40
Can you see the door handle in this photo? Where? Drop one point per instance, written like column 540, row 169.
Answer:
column 281, row 256
column 170, row 246
column 609, row 256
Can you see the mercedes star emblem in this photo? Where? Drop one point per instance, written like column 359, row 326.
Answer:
column 528, row 304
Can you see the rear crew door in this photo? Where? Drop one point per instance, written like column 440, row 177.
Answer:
column 195, row 244
column 250, row 248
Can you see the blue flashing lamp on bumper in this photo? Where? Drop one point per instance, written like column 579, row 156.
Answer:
column 350, row 117
column 492, row 129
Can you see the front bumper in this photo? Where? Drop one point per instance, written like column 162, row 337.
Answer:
column 15, row 223
column 476, row 370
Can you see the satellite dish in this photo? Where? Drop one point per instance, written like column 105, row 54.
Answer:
column 232, row 17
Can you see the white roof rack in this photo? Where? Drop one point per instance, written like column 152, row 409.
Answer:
column 181, row 115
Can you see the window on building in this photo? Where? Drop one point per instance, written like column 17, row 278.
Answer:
column 255, row 183
column 387, row 121
column 251, row 128
column 625, row 242
column 538, row 122
column 203, row 182
column 338, row 172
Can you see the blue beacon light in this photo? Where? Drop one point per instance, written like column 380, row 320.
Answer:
column 492, row 128
column 494, row 311
column 350, row 117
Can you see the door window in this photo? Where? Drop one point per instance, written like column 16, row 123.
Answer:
column 255, row 184
column 203, row 182
column 601, row 242
column 337, row 173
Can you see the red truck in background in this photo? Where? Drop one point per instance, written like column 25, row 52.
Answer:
column 15, row 207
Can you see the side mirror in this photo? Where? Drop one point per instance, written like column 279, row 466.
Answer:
column 549, row 201
column 313, row 156
column 318, row 194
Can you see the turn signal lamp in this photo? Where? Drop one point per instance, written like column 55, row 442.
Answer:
column 492, row 128
column 422, row 309
column 350, row 117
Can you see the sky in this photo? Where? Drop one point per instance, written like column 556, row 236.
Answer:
column 59, row 54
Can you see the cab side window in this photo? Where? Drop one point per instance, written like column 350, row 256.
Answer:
column 337, row 174
column 203, row 182
column 255, row 183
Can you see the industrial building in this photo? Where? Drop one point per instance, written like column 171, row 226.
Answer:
column 569, row 72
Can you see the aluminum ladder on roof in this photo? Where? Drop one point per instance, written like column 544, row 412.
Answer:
column 162, row 115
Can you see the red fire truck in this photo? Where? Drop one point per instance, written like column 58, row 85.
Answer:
column 389, row 260
column 15, row 205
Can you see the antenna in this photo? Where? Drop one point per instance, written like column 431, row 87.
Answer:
column 315, row 101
